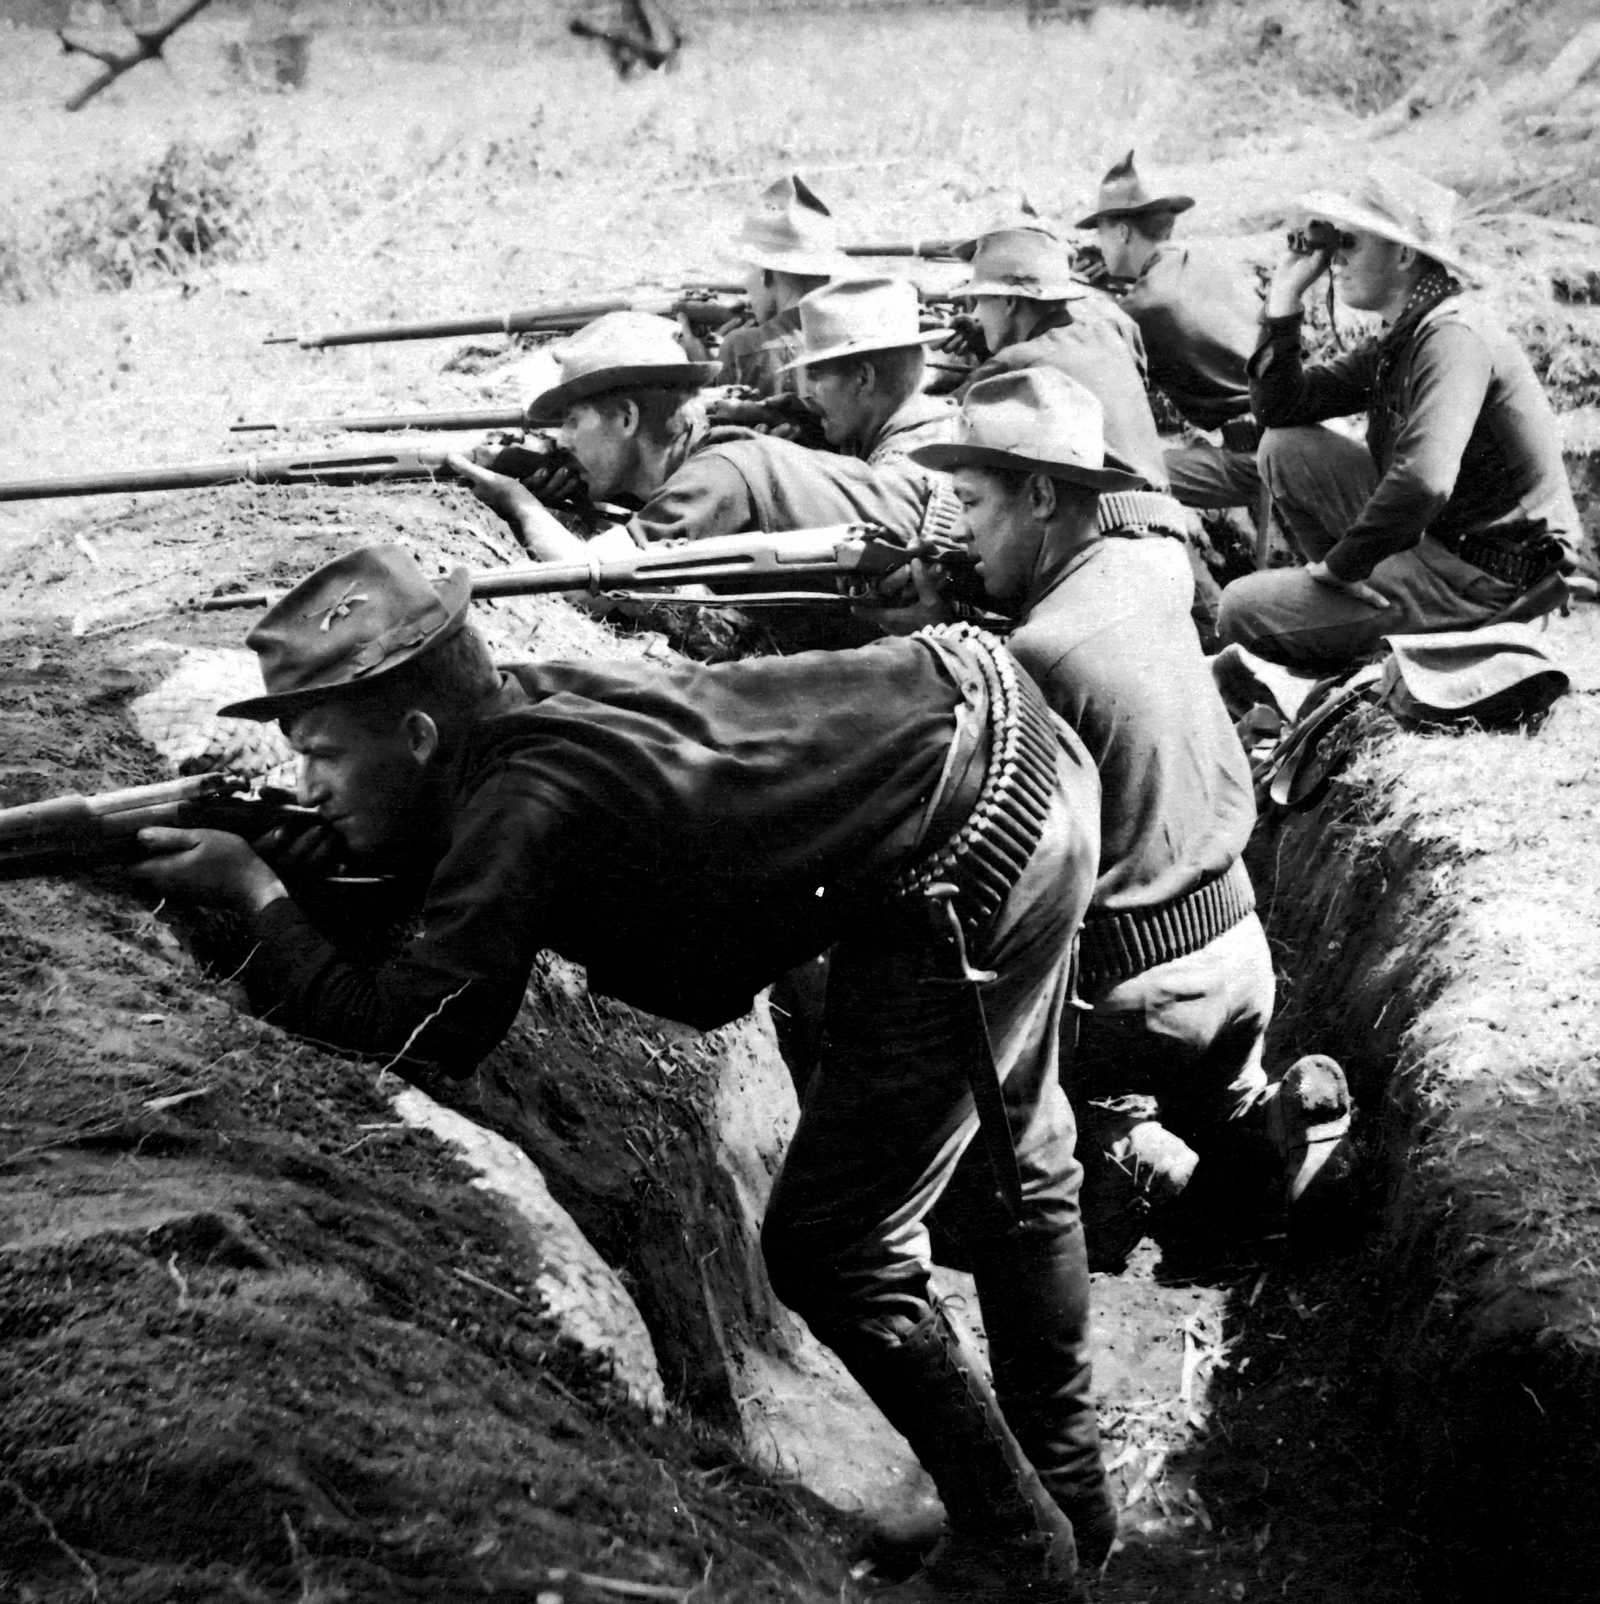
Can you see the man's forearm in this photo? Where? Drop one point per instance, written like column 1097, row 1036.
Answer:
column 302, row 982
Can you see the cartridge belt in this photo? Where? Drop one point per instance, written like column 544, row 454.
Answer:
column 987, row 849
column 1522, row 565
column 941, row 514
column 1128, row 511
column 1117, row 946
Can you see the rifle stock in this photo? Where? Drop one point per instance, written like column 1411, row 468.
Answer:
column 702, row 307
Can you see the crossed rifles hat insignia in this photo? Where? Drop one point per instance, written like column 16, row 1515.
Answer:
column 340, row 607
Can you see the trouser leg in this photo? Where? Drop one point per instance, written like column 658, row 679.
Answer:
column 1205, row 475
column 1289, row 618
column 1182, row 1043
column 1318, row 481
column 887, row 1118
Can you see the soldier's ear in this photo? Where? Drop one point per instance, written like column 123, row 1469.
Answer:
column 1043, row 497
column 628, row 415
column 422, row 736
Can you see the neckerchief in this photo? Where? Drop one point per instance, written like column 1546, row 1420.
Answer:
column 1434, row 286
column 1384, row 414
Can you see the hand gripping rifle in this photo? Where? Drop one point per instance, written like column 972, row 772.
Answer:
column 706, row 307
column 69, row 833
column 348, row 902
column 843, row 562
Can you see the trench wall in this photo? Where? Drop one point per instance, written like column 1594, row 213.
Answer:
column 1437, row 911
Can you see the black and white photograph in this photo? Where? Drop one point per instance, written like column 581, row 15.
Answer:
column 799, row 801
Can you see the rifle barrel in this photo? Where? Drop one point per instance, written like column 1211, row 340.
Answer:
column 379, row 423
column 330, row 468
column 927, row 250
column 702, row 308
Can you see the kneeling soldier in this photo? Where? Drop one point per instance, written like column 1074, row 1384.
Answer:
column 1175, row 968
column 689, row 834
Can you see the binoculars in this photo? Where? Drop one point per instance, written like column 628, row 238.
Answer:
column 1318, row 236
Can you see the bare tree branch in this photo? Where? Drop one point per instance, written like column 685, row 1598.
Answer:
column 149, row 41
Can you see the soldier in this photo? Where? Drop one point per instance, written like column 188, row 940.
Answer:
column 687, row 834
column 1199, row 327
column 789, row 247
column 1174, row 963
column 861, row 367
column 1033, row 313
column 629, row 412
column 1458, row 505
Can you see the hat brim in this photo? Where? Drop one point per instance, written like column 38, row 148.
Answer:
column 550, row 406
column 810, row 264
column 831, row 353
column 1162, row 203
column 454, row 590
column 1069, row 289
column 951, row 454
column 1348, row 213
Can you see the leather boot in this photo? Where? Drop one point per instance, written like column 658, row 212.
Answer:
column 1005, row 1540
column 1035, row 1300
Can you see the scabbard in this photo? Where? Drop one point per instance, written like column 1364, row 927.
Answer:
column 988, row 1097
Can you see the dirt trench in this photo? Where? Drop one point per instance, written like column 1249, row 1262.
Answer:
column 263, row 1341
column 1440, row 897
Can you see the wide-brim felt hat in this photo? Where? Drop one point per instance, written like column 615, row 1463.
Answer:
column 1039, row 421
column 1027, row 262
column 1122, row 194
column 619, row 351
column 854, row 317
column 1396, row 204
column 791, row 231
column 350, row 622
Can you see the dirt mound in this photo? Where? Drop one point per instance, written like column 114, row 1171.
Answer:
column 253, row 1320
column 1448, row 923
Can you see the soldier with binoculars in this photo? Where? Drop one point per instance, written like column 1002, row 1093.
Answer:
column 1456, row 511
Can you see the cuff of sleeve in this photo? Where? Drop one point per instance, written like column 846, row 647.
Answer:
column 1282, row 325
column 1345, row 561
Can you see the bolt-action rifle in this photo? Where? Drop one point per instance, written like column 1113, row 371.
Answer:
column 844, row 562
column 319, row 468
column 69, row 833
column 706, row 307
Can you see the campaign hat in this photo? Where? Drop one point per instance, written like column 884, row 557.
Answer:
column 348, row 623
column 850, row 317
column 1396, row 204
column 1037, row 420
column 1122, row 194
column 619, row 351
column 1023, row 261
column 791, row 231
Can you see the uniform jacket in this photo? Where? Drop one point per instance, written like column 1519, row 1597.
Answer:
column 1199, row 327
column 1107, row 635
column 1462, row 435
column 922, row 420
column 688, row 833
column 755, row 354
column 1106, row 355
